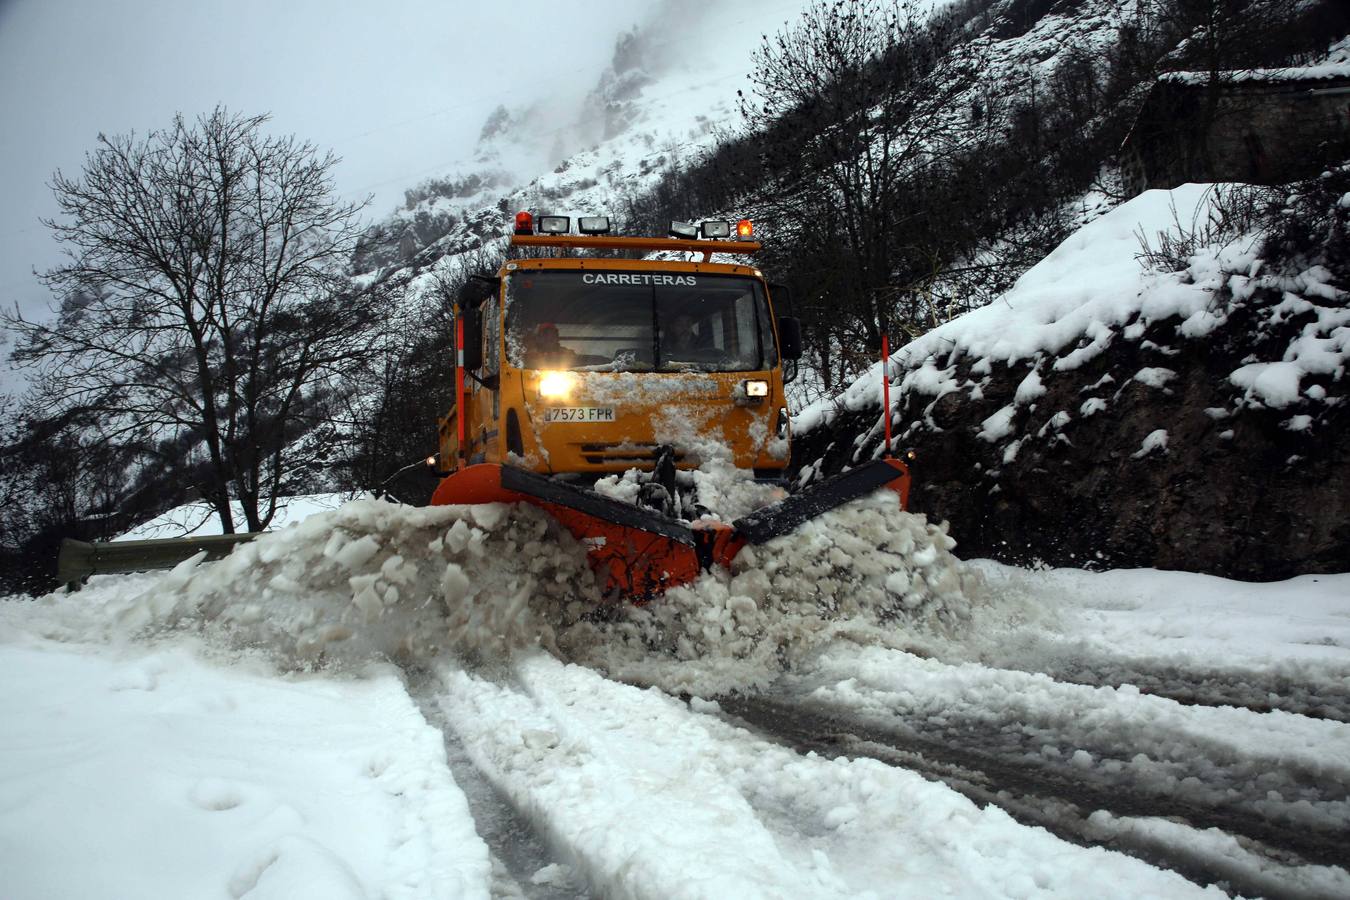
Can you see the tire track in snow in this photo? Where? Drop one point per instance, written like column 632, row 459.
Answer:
column 1258, row 691
column 1286, row 769
column 1060, row 799
column 648, row 796
column 519, row 853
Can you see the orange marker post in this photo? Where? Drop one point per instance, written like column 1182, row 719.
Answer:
column 886, row 389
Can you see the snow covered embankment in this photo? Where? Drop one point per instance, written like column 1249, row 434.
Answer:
column 1103, row 411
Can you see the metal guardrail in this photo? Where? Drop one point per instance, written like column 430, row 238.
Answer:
column 80, row 559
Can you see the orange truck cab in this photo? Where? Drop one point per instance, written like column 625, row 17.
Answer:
column 586, row 365
column 581, row 366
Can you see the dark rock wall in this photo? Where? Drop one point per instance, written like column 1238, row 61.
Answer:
column 1261, row 132
column 1235, row 492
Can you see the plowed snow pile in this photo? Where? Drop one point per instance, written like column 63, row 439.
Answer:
column 868, row 572
column 376, row 579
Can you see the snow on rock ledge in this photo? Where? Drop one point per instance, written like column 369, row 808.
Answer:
column 1071, row 306
column 1038, row 419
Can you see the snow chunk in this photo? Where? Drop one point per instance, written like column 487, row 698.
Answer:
column 355, row 554
column 1030, row 388
column 1200, row 323
column 929, row 380
column 1275, row 384
column 999, row 425
column 1091, row 406
column 1156, row 440
column 1055, row 423
column 1154, row 377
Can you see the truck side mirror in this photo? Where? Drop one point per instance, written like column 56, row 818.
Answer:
column 477, row 289
column 790, row 337
column 473, row 339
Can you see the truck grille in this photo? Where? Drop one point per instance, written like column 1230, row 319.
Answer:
column 635, row 454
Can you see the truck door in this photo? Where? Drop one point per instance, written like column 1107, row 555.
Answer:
column 487, row 391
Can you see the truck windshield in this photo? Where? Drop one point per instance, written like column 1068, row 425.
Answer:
column 610, row 321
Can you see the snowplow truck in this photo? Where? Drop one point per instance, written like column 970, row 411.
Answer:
column 575, row 364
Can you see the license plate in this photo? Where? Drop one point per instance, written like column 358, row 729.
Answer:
column 579, row 414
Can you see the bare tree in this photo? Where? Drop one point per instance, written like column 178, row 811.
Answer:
column 203, row 307
column 393, row 423
column 864, row 100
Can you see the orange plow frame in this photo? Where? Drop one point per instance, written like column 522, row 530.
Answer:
column 640, row 553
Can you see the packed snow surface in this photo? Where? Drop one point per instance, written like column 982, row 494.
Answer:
column 277, row 723
column 162, row 770
column 626, row 774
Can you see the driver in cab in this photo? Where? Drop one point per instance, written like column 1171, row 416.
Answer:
column 682, row 338
column 544, row 350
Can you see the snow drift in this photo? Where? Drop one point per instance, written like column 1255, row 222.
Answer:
column 377, row 579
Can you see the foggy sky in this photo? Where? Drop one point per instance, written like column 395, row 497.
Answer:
column 399, row 90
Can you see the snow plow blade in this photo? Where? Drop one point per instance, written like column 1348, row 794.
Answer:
column 638, row 552
column 780, row 518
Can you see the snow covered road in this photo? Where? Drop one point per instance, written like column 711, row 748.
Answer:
column 650, row 797
column 154, row 772
column 309, row 720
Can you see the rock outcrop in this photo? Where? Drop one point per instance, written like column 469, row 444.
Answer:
column 1192, row 419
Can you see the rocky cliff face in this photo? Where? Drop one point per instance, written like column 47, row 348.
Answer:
column 1104, row 414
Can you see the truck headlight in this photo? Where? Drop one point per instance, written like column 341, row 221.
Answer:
column 756, row 388
column 556, row 385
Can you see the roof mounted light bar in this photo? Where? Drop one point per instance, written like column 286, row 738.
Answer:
column 553, row 231
column 610, row 242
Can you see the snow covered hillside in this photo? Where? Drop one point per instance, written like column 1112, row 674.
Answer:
column 385, row 701
column 667, row 96
column 1113, row 408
